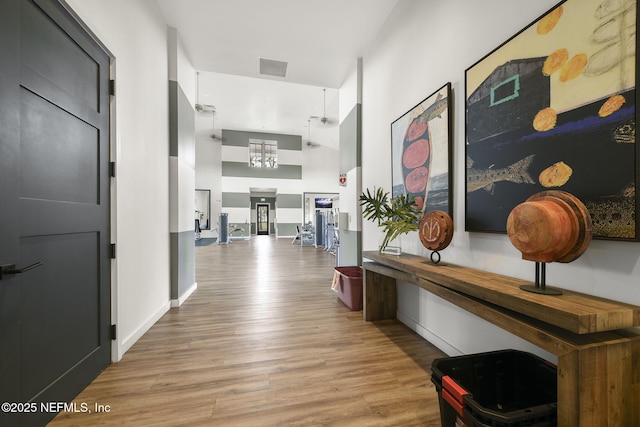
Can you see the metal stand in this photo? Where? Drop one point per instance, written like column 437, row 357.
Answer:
column 540, row 286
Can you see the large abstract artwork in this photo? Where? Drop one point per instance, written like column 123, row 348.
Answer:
column 554, row 107
column 421, row 153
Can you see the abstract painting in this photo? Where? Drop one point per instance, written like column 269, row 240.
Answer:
column 554, row 107
column 421, row 153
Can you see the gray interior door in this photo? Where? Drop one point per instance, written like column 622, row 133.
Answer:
column 54, row 208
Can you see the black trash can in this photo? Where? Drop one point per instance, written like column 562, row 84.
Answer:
column 506, row 388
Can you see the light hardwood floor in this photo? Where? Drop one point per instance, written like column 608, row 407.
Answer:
column 265, row 342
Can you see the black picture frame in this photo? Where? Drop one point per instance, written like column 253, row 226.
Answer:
column 554, row 107
column 422, row 152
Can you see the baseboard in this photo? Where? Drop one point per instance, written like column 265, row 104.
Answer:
column 178, row 302
column 442, row 345
column 129, row 341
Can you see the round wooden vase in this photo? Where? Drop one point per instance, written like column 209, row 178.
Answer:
column 550, row 226
column 436, row 230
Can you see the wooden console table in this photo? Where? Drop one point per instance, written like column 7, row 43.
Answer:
column 596, row 340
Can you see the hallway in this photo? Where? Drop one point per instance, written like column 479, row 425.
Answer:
column 265, row 342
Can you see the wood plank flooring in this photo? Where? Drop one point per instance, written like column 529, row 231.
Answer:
column 265, row 342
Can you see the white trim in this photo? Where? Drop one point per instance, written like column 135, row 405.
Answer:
column 113, row 214
column 178, row 302
column 444, row 346
column 128, row 342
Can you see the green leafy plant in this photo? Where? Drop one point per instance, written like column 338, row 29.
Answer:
column 396, row 216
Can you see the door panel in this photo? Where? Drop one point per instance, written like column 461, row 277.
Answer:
column 59, row 153
column 59, row 302
column 67, row 63
column 54, row 157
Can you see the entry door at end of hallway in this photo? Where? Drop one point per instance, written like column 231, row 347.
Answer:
column 54, row 208
column 262, row 219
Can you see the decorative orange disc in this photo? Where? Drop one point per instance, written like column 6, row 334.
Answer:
column 550, row 226
column 436, row 230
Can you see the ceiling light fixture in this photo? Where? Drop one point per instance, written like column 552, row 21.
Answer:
column 213, row 122
column 202, row 108
column 309, row 143
column 324, row 120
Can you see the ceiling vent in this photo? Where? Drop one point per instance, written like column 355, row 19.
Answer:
column 271, row 67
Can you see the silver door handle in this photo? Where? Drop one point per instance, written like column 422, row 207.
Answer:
column 11, row 268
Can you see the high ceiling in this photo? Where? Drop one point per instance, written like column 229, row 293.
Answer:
column 319, row 41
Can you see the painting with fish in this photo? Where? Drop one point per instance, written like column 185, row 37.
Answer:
column 554, row 107
column 421, row 153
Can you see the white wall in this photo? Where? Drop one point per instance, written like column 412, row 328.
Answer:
column 423, row 46
column 320, row 169
column 136, row 34
column 186, row 75
column 350, row 93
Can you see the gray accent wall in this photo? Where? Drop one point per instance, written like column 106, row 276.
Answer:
column 241, row 139
column 182, row 256
column 181, row 126
column 350, row 251
column 236, row 200
column 287, row 229
column 182, row 182
column 271, row 201
column 293, row 201
column 351, row 140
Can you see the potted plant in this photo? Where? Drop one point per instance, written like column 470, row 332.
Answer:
column 396, row 216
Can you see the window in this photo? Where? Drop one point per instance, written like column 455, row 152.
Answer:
column 506, row 90
column 263, row 154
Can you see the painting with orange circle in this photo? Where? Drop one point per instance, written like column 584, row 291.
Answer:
column 554, row 107
column 421, row 148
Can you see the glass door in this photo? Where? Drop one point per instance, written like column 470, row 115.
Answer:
column 262, row 219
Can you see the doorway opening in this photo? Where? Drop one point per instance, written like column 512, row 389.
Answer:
column 262, row 219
